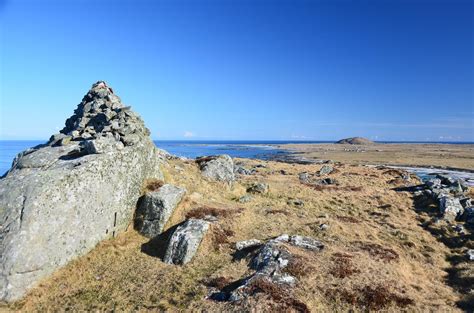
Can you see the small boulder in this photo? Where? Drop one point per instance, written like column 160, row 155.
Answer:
column 241, row 245
column 185, row 241
column 102, row 145
column 470, row 254
column 450, row 207
column 219, row 168
column 258, row 188
column 325, row 170
column 155, row 208
column 245, row 199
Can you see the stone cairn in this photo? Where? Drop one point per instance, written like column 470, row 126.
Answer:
column 101, row 115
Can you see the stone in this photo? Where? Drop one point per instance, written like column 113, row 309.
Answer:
column 245, row 199
column 243, row 171
column 325, row 170
column 241, row 245
column 218, row 168
column 155, row 209
column 102, row 145
column 355, row 141
column 324, row 226
column 466, row 202
column 307, row 243
column 261, row 188
column 304, row 177
column 470, row 254
column 433, row 183
column 450, row 207
column 58, row 202
column 185, row 241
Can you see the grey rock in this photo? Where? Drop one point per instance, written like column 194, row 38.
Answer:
column 258, row 188
column 185, row 241
column 326, row 169
column 306, row 243
column 243, row 171
column 102, row 145
column 241, row 245
column 219, row 168
column 57, row 203
column 466, row 202
column 433, row 183
column 155, row 209
column 304, row 178
column 470, row 254
column 324, row 226
column 245, row 199
column 450, row 207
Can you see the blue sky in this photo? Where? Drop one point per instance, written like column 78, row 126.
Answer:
column 230, row 70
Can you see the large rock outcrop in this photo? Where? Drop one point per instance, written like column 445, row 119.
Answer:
column 60, row 199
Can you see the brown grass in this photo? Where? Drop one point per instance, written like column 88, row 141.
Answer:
column 377, row 251
column 299, row 267
column 217, row 282
column 370, row 298
column 277, row 211
column 348, row 219
column 153, row 185
column 203, row 211
column 343, row 266
column 280, row 295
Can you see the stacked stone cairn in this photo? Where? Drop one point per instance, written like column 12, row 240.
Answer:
column 101, row 120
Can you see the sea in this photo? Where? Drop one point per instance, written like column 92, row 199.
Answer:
column 263, row 150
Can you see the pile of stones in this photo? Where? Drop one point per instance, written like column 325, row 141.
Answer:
column 101, row 116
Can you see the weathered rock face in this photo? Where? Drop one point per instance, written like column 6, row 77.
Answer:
column 185, row 241
column 220, row 168
column 258, row 188
column 60, row 199
column 155, row 208
column 450, row 207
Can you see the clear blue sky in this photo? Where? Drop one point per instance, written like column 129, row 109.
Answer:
column 309, row 70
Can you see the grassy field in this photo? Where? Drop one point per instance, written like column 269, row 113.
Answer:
column 426, row 155
column 380, row 252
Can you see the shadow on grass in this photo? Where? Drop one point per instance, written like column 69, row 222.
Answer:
column 454, row 241
column 156, row 247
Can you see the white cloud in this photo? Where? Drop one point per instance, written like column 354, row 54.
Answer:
column 188, row 134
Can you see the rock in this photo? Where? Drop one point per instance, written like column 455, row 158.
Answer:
column 324, row 226
column 241, row 245
column 59, row 202
column 305, row 242
column 466, row 202
column 102, row 145
column 355, row 141
column 450, row 207
column 433, row 183
column 155, row 208
column 470, row 254
column 219, row 168
column 325, row 170
column 304, row 178
column 269, row 264
column 185, row 241
column 325, row 181
column 243, row 171
column 245, row 199
column 459, row 229
column 258, row 188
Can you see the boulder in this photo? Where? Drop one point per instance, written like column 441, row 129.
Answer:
column 470, row 254
column 155, row 208
column 185, row 241
column 57, row 202
column 258, row 188
column 325, row 170
column 450, row 207
column 241, row 245
column 218, row 168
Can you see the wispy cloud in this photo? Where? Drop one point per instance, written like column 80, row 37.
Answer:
column 188, row 134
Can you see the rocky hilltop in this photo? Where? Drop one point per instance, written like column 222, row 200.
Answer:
column 61, row 198
column 355, row 141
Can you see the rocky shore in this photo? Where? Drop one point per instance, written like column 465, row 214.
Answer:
column 99, row 219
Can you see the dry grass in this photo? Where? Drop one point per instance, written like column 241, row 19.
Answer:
column 152, row 185
column 386, row 245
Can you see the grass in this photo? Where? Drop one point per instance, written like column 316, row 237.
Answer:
column 373, row 251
